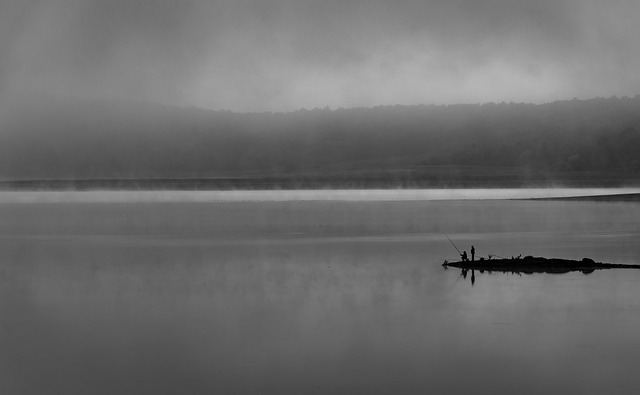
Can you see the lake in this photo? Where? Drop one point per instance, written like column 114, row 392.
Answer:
column 194, row 293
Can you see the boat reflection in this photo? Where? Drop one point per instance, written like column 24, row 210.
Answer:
column 531, row 265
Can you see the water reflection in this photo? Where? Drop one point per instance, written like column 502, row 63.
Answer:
column 532, row 265
column 312, row 297
column 473, row 275
column 464, row 272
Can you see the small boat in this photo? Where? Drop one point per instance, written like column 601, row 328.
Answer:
column 531, row 264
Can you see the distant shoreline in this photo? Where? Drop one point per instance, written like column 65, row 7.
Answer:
column 326, row 195
column 623, row 197
column 317, row 182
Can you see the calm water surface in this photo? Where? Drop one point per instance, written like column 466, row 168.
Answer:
column 163, row 296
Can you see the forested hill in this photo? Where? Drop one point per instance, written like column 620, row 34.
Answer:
column 128, row 144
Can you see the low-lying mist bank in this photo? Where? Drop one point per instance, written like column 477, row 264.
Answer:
column 72, row 144
column 263, row 184
column 416, row 178
column 319, row 195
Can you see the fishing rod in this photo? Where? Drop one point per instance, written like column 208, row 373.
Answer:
column 454, row 246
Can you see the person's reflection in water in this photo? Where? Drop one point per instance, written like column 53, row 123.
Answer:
column 464, row 273
column 473, row 277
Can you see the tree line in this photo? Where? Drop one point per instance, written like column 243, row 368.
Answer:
column 575, row 141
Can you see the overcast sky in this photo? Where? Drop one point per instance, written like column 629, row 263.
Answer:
column 274, row 55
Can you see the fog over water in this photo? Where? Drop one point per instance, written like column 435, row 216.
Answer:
column 316, row 291
column 306, row 195
column 313, row 297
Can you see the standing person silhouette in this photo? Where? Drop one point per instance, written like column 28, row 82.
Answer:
column 473, row 253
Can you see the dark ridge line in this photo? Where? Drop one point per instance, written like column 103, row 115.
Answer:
column 294, row 182
column 621, row 197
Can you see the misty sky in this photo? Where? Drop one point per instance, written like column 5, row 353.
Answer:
column 275, row 55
